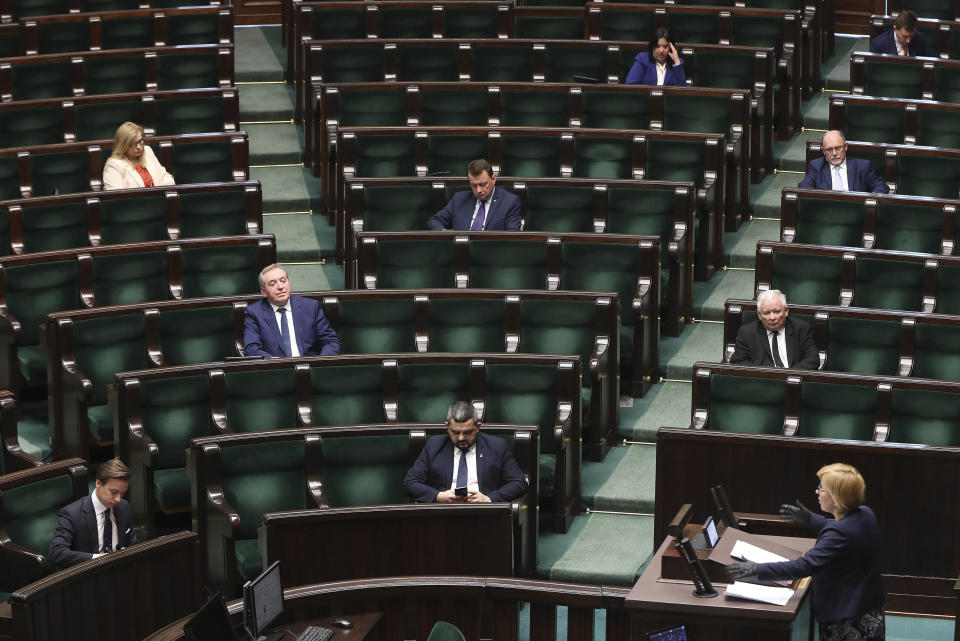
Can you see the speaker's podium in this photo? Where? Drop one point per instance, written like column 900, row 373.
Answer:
column 663, row 596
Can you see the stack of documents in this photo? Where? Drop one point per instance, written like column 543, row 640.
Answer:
column 761, row 593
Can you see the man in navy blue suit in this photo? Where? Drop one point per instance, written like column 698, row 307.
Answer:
column 486, row 207
column 465, row 458
column 96, row 524
column 836, row 171
column 904, row 34
column 285, row 325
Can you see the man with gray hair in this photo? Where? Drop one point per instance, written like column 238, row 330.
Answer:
column 465, row 465
column 775, row 340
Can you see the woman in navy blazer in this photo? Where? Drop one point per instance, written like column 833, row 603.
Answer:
column 847, row 587
column 659, row 52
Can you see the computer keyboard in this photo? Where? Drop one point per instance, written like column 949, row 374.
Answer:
column 316, row 633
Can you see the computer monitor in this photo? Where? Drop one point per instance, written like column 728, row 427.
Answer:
column 263, row 603
column 211, row 622
column 723, row 510
column 674, row 633
column 710, row 535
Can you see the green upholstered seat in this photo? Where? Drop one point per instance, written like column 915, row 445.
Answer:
column 259, row 400
column 508, row 264
column 864, row 346
column 171, row 489
column 395, row 207
column 188, row 70
column 946, row 82
column 829, row 222
column 873, row 123
column 30, row 8
column 937, row 351
column 376, row 326
column 117, row 74
column 450, row 153
column 373, row 107
column 702, row 28
column 926, row 417
column 467, row 325
column 130, row 31
column 728, row 70
column 33, row 80
column 531, row 108
column 493, row 63
column 810, row 279
column 5, row 249
column 458, row 107
column 559, row 209
column 61, row 37
column 757, row 31
column 10, row 48
column 837, row 411
column 352, row 64
column 675, row 160
column 97, row 120
column 563, row 63
column 364, row 470
column 642, row 211
column 406, row 22
column 103, row 347
column 346, row 394
column 546, row 27
column 603, row 157
column 57, row 226
column 197, row 335
column 888, row 284
column 626, row 25
column 933, row 176
column 530, row 156
column 192, row 29
column 892, row 80
column 469, row 22
column 30, row 511
column 138, row 218
column 620, row 110
column 65, row 172
column 9, row 178
column 443, row 631
column 938, row 128
column 906, row 227
column 190, row 115
column 426, row 390
column 35, row 126
column 948, row 290
column 704, row 114
column 524, row 395
column 602, row 267
column 415, row 264
column 249, row 561
column 428, row 64
column 203, row 162
column 746, row 404
column 213, row 213
column 226, row 270
column 935, row 9
column 121, row 279
column 339, row 24
column 384, row 156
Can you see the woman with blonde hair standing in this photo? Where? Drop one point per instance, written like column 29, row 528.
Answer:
column 132, row 163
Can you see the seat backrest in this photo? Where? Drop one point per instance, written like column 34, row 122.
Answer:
column 938, row 127
column 528, row 392
column 405, row 22
column 443, row 631
column 927, row 417
column 829, row 222
column 508, row 264
column 54, row 226
column 128, row 31
column 107, row 345
column 558, row 327
column 599, row 267
column 603, row 157
column 395, row 207
column 456, row 106
column 559, row 208
column 529, row 107
column 350, row 394
column 133, row 277
column 188, row 70
column 863, row 346
column 196, row 335
column 415, row 263
column 221, row 270
column 747, row 404
column 946, row 83
column 620, row 110
column 438, row 63
column 934, row 175
column 32, row 291
column 906, row 227
column 810, row 278
column 499, row 62
column 893, row 80
column 873, row 123
column 63, row 172
column 376, row 326
column 174, row 410
column 97, row 120
column 837, row 411
column 38, row 125
column 467, row 325
column 42, row 79
column 426, row 390
column 364, row 470
column 936, row 351
column 530, row 156
column 29, row 512
column 132, row 221
column 888, row 284
column 116, row 74
column 683, row 160
column 262, row 399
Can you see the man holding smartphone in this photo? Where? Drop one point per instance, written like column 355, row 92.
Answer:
column 465, row 465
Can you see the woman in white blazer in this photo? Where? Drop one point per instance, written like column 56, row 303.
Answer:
column 132, row 163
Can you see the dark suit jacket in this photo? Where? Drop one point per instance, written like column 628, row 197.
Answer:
column 886, row 43
column 499, row 476
column 860, row 176
column 844, row 564
column 644, row 72
column 503, row 213
column 75, row 539
column 261, row 332
column 753, row 347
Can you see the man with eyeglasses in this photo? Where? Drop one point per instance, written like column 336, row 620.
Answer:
column 838, row 172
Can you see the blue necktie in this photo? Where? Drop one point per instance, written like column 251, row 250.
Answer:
column 284, row 333
column 107, row 532
column 478, row 220
column 462, row 470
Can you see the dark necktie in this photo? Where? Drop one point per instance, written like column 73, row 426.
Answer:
column 478, row 219
column 107, row 532
column 284, row 333
column 775, row 348
column 462, row 470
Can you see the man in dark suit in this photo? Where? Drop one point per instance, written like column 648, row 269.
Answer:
column 465, row 458
column 903, row 35
column 486, row 207
column 775, row 340
column 838, row 172
column 285, row 325
column 97, row 524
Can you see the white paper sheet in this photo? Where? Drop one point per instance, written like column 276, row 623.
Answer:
column 761, row 593
column 747, row 552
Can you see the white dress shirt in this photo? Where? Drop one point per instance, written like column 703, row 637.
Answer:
column 472, row 484
column 781, row 344
column 294, row 351
column 486, row 210
column 839, row 181
column 101, row 510
column 661, row 72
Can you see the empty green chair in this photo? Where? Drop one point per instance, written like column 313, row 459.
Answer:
column 411, row 264
column 33, row 80
column 451, row 153
column 365, row 470
column 30, row 8
column 863, row 346
column 384, row 156
column 118, row 74
column 137, row 277
column 35, row 126
column 746, row 404
column 470, row 22
column 376, row 326
column 5, row 248
column 530, row 107
column 260, row 400
column 727, row 70
column 339, row 24
column 203, row 161
column 57, row 226
column 460, row 107
column 892, row 80
column 548, row 27
column 831, row 410
column 888, row 284
column 213, row 213
column 196, row 335
column 603, row 157
column 559, row 209
column 675, row 160
column 925, row 417
column 938, row 128
column 937, row 351
column 693, row 27
column 616, row 110
column 98, row 120
column 636, row 26
column 61, row 37
column 910, row 228
column 428, row 64
column 395, row 207
column 935, row 9
column 467, row 325
column 501, row 63
column 372, row 107
column 873, row 123
column 352, row 64
column 190, row 115
column 701, row 113
column 934, row 176
column 188, row 70
column 346, row 394
column 128, row 32
column 563, row 64
column 649, row 212
column 225, row 270
column 9, row 178
column 810, row 279
column 946, row 83
column 64, row 172
column 829, row 222
column 530, row 156
column 406, row 22
column 192, row 29
column 508, row 264
column 133, row 220
column 426, row 390
column 948, row 290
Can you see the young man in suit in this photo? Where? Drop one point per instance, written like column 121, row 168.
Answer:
column 465, row 458
column 903, row 39
column 774, row 340
column 486, row 207
column 838, row 172
column 96, row 524
column 285, row 325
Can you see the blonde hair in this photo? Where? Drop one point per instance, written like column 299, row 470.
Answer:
column 844, row 484
column 125, row 138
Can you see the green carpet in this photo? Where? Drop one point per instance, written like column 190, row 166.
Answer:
column 315, row 277
column 268, row 101
column 260, row 56
column 708, row 297
column 623, row 482
column 287, row 189
column 701, row 342
column 275, row 143
column 741, row 247
column 33, row 429
column 665, row 404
